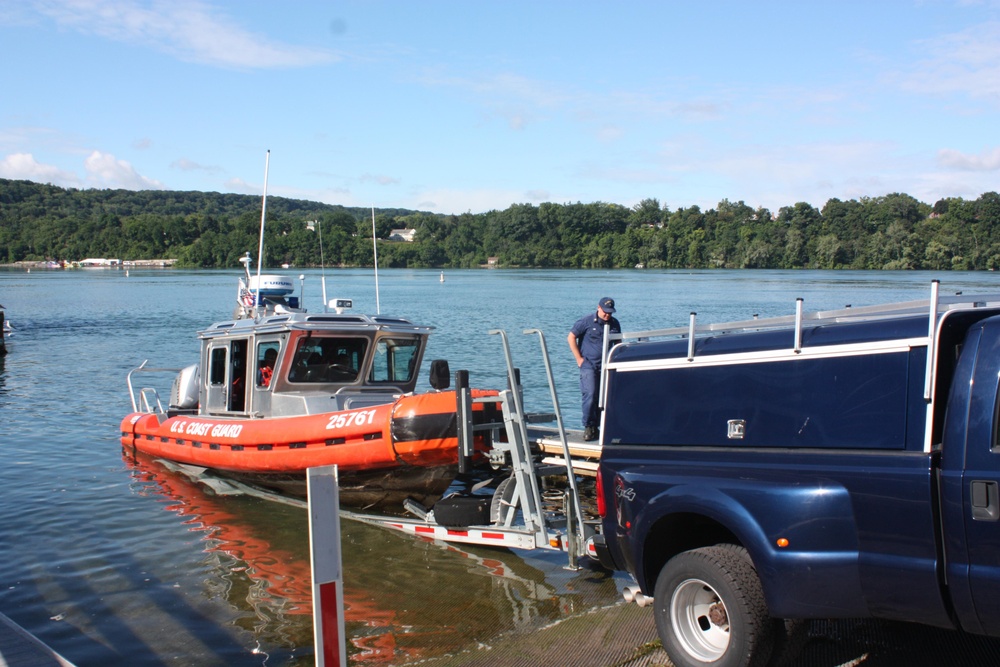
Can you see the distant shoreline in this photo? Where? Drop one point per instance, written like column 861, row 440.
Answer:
column 93, row 264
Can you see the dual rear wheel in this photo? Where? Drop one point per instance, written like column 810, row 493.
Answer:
column 710, row 612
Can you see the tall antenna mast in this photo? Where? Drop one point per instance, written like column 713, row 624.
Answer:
column 263, row 212
column 322, row 262
column 378, row 308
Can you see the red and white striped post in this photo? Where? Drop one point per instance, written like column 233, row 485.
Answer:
column 327, row 570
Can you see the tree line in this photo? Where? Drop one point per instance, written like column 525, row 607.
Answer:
column 213, row 230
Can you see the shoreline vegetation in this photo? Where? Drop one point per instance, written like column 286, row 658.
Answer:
column 44, row 226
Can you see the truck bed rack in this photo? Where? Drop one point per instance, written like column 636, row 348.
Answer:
column 846, row 314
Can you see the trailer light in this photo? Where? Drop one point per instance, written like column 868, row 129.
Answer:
column 782, row 542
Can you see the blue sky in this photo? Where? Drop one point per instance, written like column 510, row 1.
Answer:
column 473, row 105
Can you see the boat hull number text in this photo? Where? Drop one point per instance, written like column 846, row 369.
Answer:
column 359, row 418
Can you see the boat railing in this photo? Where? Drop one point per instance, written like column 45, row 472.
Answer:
column 144, row 399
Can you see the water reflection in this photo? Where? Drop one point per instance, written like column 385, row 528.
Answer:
column 406, row 599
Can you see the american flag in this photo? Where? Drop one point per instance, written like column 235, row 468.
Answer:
column 246, row 296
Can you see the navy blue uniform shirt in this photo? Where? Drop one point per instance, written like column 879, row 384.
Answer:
column 589, row 332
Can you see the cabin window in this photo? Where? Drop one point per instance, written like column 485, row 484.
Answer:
column 267, row 357
column 217, row 375
column 237, row 375
column 395, row 360
column 327, row 359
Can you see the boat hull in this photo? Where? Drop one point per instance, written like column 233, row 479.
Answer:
column 388, row 448
column 385, row 489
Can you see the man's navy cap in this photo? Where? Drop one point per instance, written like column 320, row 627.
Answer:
column 607, row 304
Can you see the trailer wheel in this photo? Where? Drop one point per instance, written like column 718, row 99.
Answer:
column 710, row 610
column 503, row 501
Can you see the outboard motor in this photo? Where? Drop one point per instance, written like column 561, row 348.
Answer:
column 184, row 392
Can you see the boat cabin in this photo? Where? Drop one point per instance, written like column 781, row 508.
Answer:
column 297, row 363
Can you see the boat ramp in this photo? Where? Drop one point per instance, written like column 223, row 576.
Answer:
column 19, row 648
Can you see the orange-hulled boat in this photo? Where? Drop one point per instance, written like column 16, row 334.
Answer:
column 278, row 390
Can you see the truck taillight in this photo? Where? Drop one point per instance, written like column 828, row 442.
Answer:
column 601, row 506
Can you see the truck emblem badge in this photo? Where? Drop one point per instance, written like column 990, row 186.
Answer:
column 737, row 429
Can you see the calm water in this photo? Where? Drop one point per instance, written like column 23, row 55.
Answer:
column 114, row 562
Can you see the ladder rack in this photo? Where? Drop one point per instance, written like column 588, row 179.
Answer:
column 846, row 314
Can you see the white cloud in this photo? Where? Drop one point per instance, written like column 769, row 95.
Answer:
column 966, row 62
column 186, row 29
column 455, row 202
column 381, row 179
column 985, row 161
column 608, row 134
column 106, row 171
column 23, row 166
column 241, row 187
column 189, row 165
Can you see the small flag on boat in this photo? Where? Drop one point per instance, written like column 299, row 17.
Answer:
column 246, row 296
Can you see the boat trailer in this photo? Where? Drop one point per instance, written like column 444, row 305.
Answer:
column 520, row 512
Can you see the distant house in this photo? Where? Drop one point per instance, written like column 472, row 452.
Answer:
column 402, row 235
column 492, row 261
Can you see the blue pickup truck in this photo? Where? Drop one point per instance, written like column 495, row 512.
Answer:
column 828, row 465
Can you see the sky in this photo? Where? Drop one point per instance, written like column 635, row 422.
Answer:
column 475, row 105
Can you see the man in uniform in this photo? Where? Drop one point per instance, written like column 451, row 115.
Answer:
column 586, row 342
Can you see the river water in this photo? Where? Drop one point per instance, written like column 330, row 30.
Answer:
column 116, row 562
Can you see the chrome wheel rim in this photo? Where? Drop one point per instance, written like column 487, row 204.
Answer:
column 700, row 620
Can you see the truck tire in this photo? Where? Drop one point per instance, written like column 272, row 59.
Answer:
column 790, row 634
column 710, row 610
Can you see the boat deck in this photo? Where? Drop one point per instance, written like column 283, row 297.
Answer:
column 19, row 648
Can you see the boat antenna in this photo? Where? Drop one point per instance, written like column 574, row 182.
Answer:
column 263, row 212
column 322, row 262
column 378, row 309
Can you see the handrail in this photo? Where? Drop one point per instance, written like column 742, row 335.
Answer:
column 141, row 368
column 522, row 435
column 931, row 343
column 570, row 474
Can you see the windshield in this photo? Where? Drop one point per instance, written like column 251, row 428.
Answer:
column 328, row 359
column 395, row 360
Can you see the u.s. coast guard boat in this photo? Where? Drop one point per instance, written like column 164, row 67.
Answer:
column 278, row 390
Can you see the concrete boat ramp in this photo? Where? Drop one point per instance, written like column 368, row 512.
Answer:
column 625, row 636
column 18, row 648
